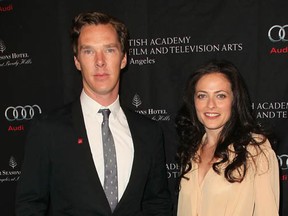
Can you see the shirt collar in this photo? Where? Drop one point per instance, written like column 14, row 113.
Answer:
column 91, row 107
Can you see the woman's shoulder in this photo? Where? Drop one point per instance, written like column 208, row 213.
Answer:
column 259, row 144
column 262, row 153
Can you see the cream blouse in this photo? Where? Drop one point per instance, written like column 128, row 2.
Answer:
column 256, row 195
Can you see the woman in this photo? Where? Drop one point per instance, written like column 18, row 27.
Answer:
column 228, row 167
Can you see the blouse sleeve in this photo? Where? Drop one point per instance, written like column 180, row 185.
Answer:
column 266, row 183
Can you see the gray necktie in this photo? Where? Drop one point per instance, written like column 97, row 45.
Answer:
column 110, row 163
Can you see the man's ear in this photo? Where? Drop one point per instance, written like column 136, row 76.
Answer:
column 77, row 63
column 124, row 61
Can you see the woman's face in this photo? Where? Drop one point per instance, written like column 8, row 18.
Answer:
column 213, row 101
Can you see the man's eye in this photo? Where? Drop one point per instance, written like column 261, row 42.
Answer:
column 87, row 51
column 110, row 50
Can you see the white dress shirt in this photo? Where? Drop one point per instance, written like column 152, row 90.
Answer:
column 122, row 138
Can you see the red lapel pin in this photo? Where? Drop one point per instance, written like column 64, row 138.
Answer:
column 80, row 141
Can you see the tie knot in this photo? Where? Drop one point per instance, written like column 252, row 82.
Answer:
column 105, row 113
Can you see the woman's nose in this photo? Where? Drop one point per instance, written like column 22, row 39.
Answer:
column 211, row 103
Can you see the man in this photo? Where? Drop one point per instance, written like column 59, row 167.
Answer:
column 65, row 165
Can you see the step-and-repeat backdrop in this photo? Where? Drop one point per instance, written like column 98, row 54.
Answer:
column 168, row 40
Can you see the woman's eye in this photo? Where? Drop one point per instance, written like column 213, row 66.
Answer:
column 201, row 96
column 221, row 96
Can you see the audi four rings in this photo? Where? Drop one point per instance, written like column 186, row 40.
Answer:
column 19, row 113
column 281, row 36
column 283, row 161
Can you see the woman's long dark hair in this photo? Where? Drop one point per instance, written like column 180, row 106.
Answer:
column 237, row 131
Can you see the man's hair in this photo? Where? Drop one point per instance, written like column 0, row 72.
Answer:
column 97, row 18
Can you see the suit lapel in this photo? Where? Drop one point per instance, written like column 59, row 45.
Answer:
column 82, row 139
column 88, row 162
column 139, row 161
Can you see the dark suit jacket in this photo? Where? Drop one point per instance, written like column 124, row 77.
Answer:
column 59, row 176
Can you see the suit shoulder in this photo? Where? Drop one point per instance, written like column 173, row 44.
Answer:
column 55, row 117
column 131, row 114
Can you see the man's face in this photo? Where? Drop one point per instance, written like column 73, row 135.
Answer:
column 100, row 61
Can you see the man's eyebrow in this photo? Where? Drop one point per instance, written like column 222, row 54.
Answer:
column 85, row 46
column 111, row 45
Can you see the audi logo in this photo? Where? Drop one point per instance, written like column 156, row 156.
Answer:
column 278, row 33
column 19, row 113
column 283, row 161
